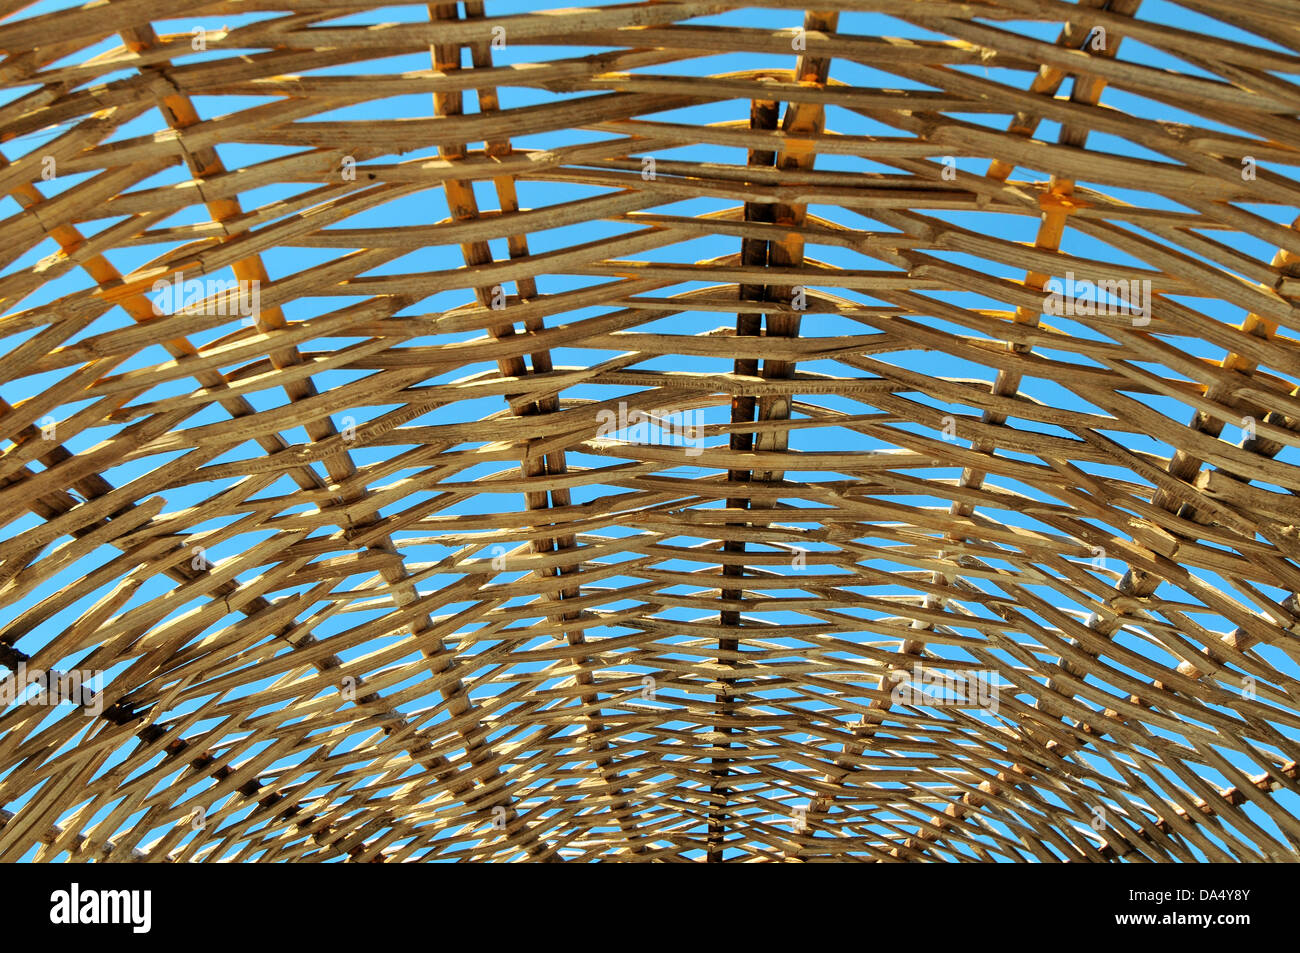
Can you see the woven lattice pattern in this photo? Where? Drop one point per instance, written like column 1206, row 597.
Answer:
column 650, row 432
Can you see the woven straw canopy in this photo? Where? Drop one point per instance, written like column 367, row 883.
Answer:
column 659, row 431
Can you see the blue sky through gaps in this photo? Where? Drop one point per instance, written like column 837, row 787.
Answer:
column 40, row 619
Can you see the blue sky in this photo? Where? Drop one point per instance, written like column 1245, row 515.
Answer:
column 422, row 547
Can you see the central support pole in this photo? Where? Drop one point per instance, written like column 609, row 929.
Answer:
column 763, row 115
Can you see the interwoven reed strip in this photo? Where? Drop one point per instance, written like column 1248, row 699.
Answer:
column 364, row 572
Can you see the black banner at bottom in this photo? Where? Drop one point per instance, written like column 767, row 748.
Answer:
column 146, row 903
